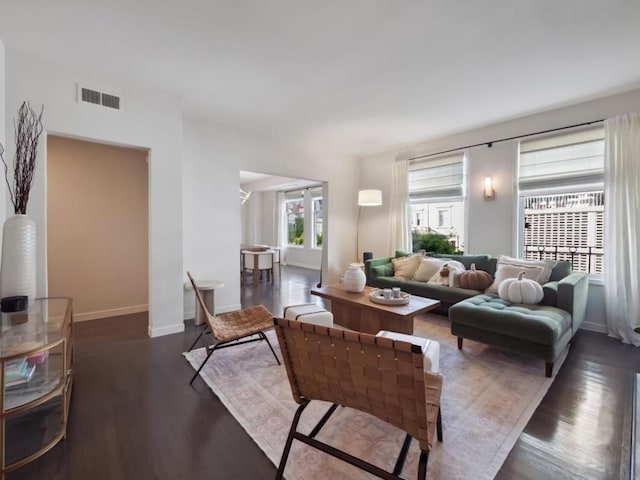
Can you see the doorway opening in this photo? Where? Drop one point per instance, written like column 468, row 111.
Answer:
column 98, row 227
column 288, row 213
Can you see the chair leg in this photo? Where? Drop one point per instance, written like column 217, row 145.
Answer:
column 422, row 465
column 199, row 337
column 264, row 337
column 287, row 445
column 195, row 375
column 548, row 369
column 397, row 470
column 439, row 425
column 459, row 343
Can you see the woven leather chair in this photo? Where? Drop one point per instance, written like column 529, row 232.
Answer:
column 372, row 374
column 229, row 329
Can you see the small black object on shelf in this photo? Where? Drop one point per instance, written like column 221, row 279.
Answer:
column 16, row 303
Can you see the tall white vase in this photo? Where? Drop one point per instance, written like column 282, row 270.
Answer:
column 354, row 278
column 18, row 270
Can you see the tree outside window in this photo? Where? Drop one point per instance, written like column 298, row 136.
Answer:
column 295, row 222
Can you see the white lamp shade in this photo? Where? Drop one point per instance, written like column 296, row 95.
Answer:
column 369, row 198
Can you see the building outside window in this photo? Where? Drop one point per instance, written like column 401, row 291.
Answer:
column 444, row 217
column 294, row 208
column 297, row 234
column 436, row 197
column 317, row 204
column 561, row 188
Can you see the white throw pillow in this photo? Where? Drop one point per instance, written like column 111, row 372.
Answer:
column 455, row 269
column 509, row 267
column 405, row 267
column 428, row 267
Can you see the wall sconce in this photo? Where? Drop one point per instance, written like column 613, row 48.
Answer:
column 489, row 193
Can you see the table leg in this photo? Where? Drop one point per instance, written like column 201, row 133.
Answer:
column 256, row 272
column 199, row 314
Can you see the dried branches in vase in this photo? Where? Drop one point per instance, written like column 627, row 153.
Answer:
column 28, row 128
column 18, row 267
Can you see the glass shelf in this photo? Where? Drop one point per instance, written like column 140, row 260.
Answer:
column 37, row 346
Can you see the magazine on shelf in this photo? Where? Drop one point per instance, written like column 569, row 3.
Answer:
column 17, row 372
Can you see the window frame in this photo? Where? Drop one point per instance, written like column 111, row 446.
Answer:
column 592, row 183
column 451, row 194
column 291, row 197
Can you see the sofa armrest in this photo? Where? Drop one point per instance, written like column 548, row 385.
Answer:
column 573, row 291
column 374, row 262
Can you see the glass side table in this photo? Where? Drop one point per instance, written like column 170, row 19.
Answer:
column 36, row 353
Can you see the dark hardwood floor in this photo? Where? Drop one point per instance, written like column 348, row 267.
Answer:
column 134, row 415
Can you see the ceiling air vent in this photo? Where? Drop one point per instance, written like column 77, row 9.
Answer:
column 96, row 97
column 110, row 101
column 90, row 96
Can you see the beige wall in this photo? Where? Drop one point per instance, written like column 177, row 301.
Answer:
column 97, row 227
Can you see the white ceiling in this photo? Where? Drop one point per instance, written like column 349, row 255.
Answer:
column 350, row 76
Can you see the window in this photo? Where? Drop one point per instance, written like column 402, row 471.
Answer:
column 294, row 208
column 295, row 202
column 436, row 197
column 316, row 196
column 444, row 217
column 561, row 183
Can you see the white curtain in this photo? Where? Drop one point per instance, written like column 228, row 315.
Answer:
column 399, row 213
column 622, row 226
column 281, row 227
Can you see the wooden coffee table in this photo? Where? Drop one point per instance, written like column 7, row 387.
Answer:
column 356, row 312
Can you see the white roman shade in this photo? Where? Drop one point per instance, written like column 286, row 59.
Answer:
column 571, row 159
column 437, row 179
column 316, row 192
column 294, row 195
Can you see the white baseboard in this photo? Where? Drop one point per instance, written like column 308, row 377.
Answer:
column 112, row 312
column 302, row 265
column 168, row 330
column 594, row 327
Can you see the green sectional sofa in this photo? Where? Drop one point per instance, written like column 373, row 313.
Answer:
column 542, row 330
column 379, row 272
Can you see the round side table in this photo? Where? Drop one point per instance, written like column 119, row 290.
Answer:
column 207, row 289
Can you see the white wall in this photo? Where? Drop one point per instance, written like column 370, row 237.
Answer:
column 213, row 158
column 491, row 224
column 144, row 122
column 3, row 189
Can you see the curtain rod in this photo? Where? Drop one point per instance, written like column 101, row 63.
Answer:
column 490, row 144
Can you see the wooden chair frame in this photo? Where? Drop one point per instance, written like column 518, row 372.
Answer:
column 376, row 375
column 233, row 328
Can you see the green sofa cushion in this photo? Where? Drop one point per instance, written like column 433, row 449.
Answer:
column 385, row 270
column 561, row 270
column 534, row 323
column 550, row 290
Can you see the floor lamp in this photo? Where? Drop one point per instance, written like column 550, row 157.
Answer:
column 366, row 198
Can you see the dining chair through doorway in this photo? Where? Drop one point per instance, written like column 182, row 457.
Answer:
column 233, row 328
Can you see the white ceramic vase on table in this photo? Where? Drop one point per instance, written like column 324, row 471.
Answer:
column 354, row 278
column 18, row 270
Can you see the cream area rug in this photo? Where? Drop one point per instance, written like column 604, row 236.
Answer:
column 488, row 396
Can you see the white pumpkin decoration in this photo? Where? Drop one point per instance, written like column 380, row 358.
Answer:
column 520, row 290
